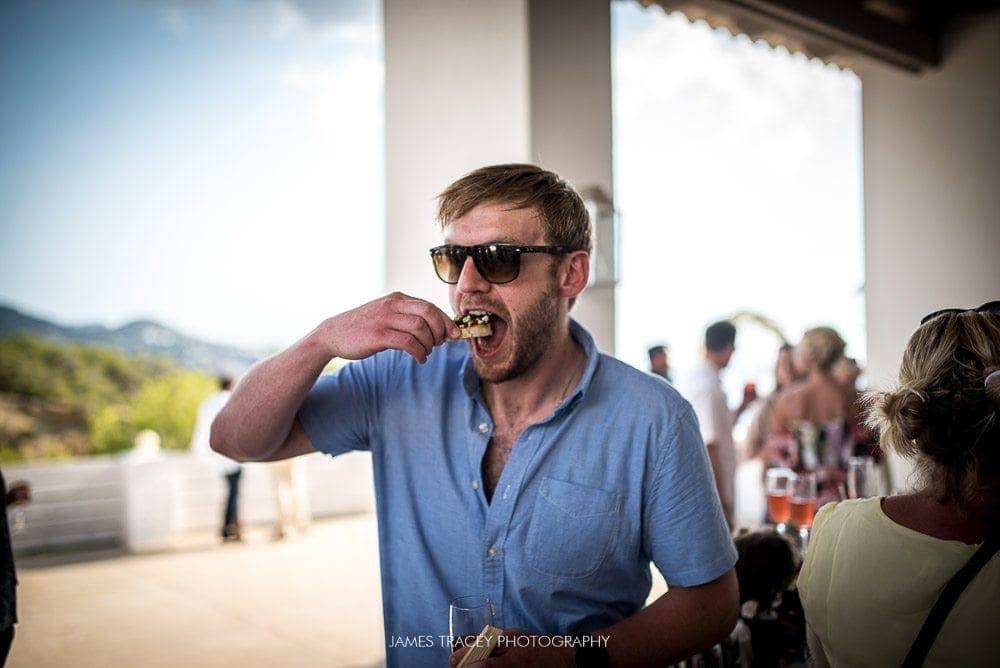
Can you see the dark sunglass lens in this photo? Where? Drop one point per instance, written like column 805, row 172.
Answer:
column 448, row 263
column 990, row 307
column 498, row 264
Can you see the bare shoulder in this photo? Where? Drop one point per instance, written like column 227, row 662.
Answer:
column 924, row 514
column 788, row 404
column 913, row 512
column 791, row 396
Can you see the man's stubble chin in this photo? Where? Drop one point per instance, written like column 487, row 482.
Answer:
column 532, row 335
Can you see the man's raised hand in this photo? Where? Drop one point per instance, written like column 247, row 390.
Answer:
column 394, row 322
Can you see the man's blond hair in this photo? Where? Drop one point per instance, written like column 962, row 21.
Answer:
column 564, row 216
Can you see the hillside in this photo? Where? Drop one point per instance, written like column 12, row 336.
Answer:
column 65, row 399
column 139, row 338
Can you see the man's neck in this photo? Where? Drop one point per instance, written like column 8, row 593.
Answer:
column 536, row 393
column 816, row 376
column 716, row 361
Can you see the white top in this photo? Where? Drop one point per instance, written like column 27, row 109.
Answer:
column 703, row 388
column 868, row 583
column 200, row 445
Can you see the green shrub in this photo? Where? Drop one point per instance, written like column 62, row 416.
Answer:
column 110, row 430
column 169, row 406
column 106, row 395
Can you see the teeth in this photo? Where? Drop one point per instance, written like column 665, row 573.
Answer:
column 474, row 324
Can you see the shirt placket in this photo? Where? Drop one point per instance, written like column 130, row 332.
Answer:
column 500, row 511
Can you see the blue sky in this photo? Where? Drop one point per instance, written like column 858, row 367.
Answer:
column 198, row 163
column 218, row 166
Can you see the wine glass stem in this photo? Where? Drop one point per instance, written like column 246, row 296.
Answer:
column 18, row 523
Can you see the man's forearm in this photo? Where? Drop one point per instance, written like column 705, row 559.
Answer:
column 258, row 423
column 683, row 621
column 259, row 415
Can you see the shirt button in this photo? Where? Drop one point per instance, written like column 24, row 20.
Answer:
column 492, row 551
column 475, row 484
column 483, row 428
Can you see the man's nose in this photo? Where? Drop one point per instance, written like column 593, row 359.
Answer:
column 470, row 280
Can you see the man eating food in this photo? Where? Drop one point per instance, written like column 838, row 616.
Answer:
column 522, row 464
column 474, row 325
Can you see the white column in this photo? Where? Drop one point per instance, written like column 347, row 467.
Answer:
column 456, row 98
column 571, row 123
column 932, row 205
column 477, row 82
column 151, row 499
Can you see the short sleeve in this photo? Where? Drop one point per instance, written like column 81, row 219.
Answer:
column 341, row 411
column 685, row 533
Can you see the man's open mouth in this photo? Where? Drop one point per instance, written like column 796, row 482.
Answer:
column 485, row 342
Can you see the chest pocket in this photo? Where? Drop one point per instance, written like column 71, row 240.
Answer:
column 571, row 528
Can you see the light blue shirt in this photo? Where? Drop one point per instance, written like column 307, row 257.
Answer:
column 616, row 477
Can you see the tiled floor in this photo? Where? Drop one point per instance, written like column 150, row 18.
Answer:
column 307, row 602
column 311, row 601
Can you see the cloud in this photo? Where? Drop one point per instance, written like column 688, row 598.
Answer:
column 355, row 78
column 176, row 22
column 324, row 13
column 354, row 21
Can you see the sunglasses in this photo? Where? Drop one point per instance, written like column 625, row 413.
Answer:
column 497, row 263
column 989, row 307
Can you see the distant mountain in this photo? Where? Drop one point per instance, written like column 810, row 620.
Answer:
column 142, row 337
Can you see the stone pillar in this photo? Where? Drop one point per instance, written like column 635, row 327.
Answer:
column 456, row 98
column 150, row 495
column 932, row 206
column 477, row 82
column 570, row 46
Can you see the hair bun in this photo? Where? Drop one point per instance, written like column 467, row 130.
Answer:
column 905, row 411
column 945, row 411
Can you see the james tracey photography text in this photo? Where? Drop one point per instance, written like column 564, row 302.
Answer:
column 428, row 641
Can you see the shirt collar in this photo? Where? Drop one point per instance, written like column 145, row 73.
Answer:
column 470, row 380
column 586, row 341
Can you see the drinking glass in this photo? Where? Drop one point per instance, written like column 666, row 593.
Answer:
column 467, row 617
column 803, row 506
column 779, row 489
column 860, row 477
column 19, row 519
column 18, row 493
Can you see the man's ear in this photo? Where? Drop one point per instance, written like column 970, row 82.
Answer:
column 575, row 275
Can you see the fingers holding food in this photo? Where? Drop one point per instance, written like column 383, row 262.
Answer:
column 396, row 321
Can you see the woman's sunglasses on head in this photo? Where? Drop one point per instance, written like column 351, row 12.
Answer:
column 989, row 307
column 497, row 263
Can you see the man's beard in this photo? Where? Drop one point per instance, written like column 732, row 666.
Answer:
column 533, row 336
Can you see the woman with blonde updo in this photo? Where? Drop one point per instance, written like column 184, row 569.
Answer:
column 875, row 567
column 810, row 424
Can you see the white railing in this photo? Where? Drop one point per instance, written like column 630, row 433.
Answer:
column 148, row 502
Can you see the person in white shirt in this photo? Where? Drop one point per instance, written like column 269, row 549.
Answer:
column 703, row 388
column 230, row 469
